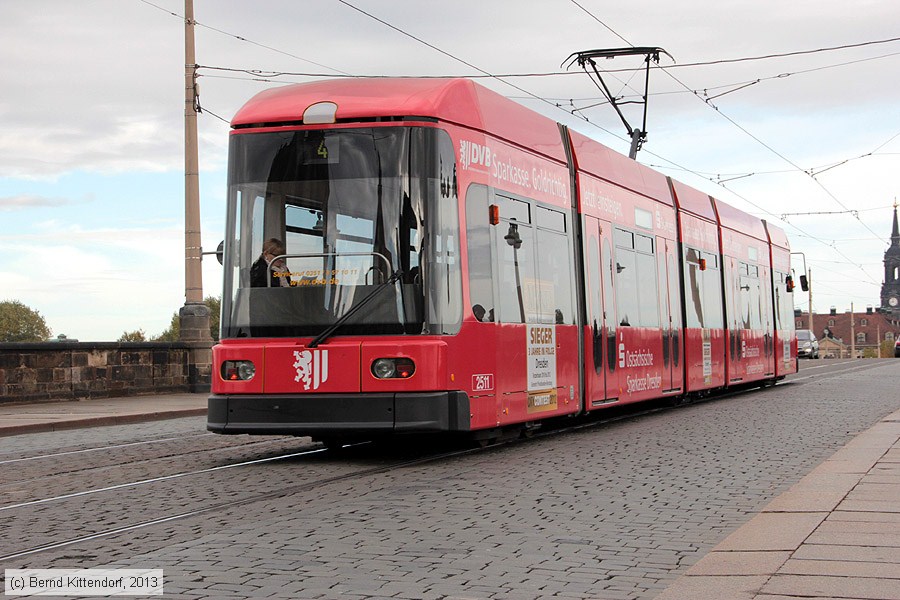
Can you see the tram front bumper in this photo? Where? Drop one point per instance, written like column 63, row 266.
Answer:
column 336, row 414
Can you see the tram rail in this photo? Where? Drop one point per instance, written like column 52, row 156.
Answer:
column 503, row 439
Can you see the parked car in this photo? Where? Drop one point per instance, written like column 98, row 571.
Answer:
column 897, row 348
column 808, row 345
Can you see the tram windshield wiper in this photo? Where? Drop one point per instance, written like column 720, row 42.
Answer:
column 395, row 276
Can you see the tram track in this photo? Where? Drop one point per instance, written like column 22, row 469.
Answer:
column 848, row 366
column 622, row 413
column 51, row 467
column 157, row 479
column 107, row 448
column 610, row 416
column 265, row 496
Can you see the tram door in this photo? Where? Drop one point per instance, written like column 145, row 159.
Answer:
column 733, row 321
column 601, row 376
column 670, row 309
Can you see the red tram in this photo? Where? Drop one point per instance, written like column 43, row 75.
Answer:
column 447, row 260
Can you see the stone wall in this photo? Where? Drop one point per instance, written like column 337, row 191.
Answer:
column 80, row 370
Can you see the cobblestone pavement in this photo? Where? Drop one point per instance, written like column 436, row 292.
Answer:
column 614, row 511
column 83, row 489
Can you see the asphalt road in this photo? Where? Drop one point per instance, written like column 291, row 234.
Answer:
column 615, row 510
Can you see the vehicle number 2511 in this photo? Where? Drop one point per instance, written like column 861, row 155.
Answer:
column 482, row 383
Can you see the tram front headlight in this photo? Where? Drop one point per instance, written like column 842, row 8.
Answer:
column 393, row 368
column 238, row 370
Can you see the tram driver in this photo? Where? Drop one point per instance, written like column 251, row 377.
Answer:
column 269, row 263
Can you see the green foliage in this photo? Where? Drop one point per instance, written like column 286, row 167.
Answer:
column 18, row 323
column 171, row 334
column 214, row 304
column 133, row 336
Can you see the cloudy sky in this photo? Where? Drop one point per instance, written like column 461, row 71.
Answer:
column 91, row 121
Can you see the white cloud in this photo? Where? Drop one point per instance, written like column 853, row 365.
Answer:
column 26, row 201
column 83, row 97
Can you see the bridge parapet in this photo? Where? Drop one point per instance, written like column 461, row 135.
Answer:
column 32, row 372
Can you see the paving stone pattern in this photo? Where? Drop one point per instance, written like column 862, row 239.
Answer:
column 611, row 512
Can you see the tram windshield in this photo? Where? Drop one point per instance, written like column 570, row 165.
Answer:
column 320, row 219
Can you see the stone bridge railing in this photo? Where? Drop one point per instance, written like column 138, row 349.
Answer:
column 79, row 370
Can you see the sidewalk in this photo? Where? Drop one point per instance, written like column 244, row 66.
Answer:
column 834, row 535
column 52, row 416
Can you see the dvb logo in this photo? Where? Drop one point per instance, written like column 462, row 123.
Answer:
column 471, row 153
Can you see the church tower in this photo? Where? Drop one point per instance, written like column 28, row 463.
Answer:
column 890, row 289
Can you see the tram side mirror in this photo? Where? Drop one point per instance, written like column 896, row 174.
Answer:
column 220, row 252
column 804, row 283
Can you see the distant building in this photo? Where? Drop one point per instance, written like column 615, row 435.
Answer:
column 868, row 328
column 838, row 333
column 833, row 348
column 62, row 338
column 890, row 289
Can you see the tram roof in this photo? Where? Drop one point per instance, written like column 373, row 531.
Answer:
column 593, row 157
column 693, row 201
column 458, row 101
column 737, row 220
column 777, row 235
column 468, row 104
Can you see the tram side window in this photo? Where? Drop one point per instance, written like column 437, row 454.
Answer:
column 750, row 297
column 626, row 279
column 756, row 299
column 251, row 210
column 637, row 291
column 595, row 304
column 444, row 281
column 609, row 307
column 674, row 294
column 731, row 285
column 648, row 293
column 744, row 299
column 784, row 304
column 533, row 269
column 694, row 287
column 779, row 317
column 478, row 234
column 554, row 268
column 755, row 304
column 765, row 300
column 515, row 256
column 703, row 290
column 712, row 292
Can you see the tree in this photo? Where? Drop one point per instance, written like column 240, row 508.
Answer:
column 214, row 304
column 18, row 323
column 133, row 336
column 171, row 334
